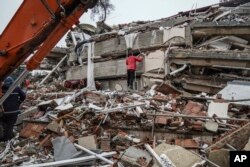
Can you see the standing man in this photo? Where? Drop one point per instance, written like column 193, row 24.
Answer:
column 131, row 67
column 10, row 108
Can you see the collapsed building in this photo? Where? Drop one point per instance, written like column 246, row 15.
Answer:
column 198, row 51
column 191, row 107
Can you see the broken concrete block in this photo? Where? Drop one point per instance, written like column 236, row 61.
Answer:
column 136, row 157
column 220, row 157
column 211, row 126
column 219, row 109
column 54, row 127
column 88, row 142
column 179, row 156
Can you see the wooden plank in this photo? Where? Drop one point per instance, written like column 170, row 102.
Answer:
column 238, row 138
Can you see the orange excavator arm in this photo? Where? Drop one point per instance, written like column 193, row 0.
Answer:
column 35, row 29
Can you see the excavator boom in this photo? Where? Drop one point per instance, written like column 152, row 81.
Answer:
column 35, row 29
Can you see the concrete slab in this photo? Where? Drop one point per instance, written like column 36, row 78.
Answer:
column 169, row 34
column 149, row 38
column 237, row 90
column 178, row 155
column 220, row 157
column 220, row 109
column 210, row 58
column 88, row 142
column 219, row 45
column 154, row 60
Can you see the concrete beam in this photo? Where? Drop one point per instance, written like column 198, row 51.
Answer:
column 210, row 58
column 220, row 28
column 102, row 70
column 232, row 24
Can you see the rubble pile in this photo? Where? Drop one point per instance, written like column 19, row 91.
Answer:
column 131, row 128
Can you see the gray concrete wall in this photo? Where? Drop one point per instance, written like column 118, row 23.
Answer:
column 116, row 69
column 150, row 38
column 111, row 84
column 111, row 45
column 102, row 70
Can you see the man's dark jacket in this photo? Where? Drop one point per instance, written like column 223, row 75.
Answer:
column 13, row 102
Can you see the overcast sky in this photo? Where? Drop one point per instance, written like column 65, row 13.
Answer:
column 125, row 10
